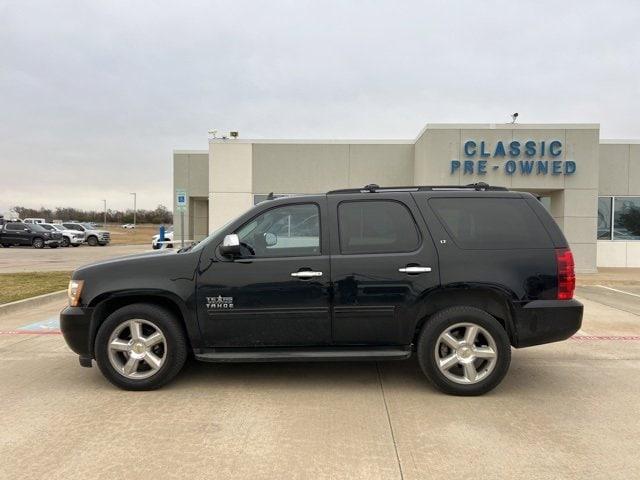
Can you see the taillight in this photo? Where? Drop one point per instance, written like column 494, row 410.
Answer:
column 566, row 274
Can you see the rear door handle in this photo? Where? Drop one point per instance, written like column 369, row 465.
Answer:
column 414, row 270
column 306, row 274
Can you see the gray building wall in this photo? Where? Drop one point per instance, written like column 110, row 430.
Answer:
column 321, row 167
column 191, row 173
column 223, row 181
column 619, row 176
column 573, row 197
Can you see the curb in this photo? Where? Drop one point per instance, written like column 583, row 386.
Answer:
column 32, row 302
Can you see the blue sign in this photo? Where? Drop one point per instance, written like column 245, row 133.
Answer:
column 523, row 158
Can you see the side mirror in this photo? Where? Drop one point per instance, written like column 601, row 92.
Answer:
column 230, row 245
column 270, row 239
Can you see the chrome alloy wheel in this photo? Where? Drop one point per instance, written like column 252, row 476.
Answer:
column 466, row 353
column 137, row 349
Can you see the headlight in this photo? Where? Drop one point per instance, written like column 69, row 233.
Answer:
column 74, row 291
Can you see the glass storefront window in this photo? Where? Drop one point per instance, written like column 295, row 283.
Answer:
column 626, row 225
column 604, row 218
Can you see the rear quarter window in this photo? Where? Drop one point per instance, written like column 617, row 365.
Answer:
column 491, row 223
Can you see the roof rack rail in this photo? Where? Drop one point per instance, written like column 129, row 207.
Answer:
column 374, row 188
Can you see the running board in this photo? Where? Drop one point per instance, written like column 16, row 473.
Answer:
column 328, row 354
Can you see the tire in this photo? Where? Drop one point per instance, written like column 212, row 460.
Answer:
column 112, row 362
column 65, row 242
column 38, row 243
column 75, row 244
column 466, row 373
column 54, row 245
column 92, row 241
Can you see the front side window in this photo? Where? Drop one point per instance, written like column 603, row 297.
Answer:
column 604, row 218
column 626, row 218
column 15, row 227
column 287, row 231
column 376, row 227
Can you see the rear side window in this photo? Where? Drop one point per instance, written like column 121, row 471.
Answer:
column 491, row 223
column 376, row 227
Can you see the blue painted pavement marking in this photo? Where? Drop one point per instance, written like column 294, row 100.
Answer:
column 52, row 324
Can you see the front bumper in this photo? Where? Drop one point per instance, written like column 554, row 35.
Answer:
column 75, row 324
column 546, row 321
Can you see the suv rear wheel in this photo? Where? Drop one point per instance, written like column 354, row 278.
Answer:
column 464, row 351
column 140, row 347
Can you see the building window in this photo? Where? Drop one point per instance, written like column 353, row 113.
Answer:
column 604, row 218
column 621, row 213
column 626, row 218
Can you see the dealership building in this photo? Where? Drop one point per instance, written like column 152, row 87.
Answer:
column 591, row 186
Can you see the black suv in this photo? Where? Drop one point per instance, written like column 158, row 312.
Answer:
column 18, row 233
column 457, row 275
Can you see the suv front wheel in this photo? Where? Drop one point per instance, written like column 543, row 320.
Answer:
column 464, row 351
column 140, row 347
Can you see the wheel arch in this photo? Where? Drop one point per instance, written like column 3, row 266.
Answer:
column 107, row 303
column 493, row 300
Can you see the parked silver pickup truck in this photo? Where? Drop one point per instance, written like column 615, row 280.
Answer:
column 93, row 236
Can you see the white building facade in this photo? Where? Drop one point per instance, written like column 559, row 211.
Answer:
column 591, row 186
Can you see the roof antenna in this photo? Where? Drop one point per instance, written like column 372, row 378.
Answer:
column 270, row 196
column 371, row 188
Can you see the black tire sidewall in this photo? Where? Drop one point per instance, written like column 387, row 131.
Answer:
column 65, row 242
column 176, row 345
column 38, row 243
column 92, row 241
column 442, row 320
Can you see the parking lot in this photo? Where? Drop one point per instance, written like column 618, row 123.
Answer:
column 27, row 259
column 566, row 410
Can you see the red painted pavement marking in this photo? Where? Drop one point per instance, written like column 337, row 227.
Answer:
column 29, row 332
column 632, row 338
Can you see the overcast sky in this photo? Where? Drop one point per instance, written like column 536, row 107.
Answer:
column 94, row 96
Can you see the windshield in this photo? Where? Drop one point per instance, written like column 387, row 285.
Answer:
column 200, row 245
column 58, row 227
column 47, row 227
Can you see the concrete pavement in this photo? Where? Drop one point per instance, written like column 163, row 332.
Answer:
column 566, row 410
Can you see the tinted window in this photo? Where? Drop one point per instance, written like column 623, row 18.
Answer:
column 47, row 227
column 73, row 226
column 604, row 218
column 287, row 231
column 376, row 227
column 626, row 218
column 491, row 223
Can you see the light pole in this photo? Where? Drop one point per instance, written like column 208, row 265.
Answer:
column 134, row 209
column 104, row 225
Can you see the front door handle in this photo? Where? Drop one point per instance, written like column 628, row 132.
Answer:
column 414, row 270
column 306, row 274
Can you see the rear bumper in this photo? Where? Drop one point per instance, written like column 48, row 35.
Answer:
column 75, row 324
column 546, row 321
